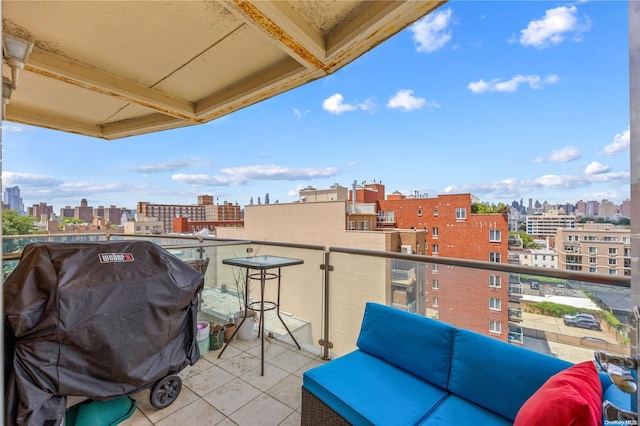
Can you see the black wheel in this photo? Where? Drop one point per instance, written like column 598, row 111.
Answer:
column 166, row 391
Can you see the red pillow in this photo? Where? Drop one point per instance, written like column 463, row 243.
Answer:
column 571, row 397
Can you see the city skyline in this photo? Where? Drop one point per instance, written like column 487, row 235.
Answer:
column 480, row 97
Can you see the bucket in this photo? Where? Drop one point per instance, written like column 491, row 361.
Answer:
column 246, row 331
column 216, row 340
column 202, row 336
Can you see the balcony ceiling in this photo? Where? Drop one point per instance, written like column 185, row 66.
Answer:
column 112, row 69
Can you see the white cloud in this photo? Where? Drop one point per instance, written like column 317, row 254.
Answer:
column 240, row 175
column 335, row 104
column 29, row 179
column 563, row 155
column 12, row 128
column 495, row 85
column 169, row 166
column 553, row 27
column 596, row 168
column 404, row 99
column 300, row 114
column 367, row 105
column 511, row 187
column 621, row 141
column 431, row 32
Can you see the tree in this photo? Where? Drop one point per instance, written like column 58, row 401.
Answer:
column 486, row 208
column 527, row 240
column 14, row 224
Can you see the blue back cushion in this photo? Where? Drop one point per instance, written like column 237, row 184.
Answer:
column 414, row 343
column 497, row 375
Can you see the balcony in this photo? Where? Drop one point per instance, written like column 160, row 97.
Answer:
column 515, row 314
column 516, row 290
column 322, row 302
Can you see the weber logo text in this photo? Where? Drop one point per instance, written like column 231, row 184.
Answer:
column 115, row 257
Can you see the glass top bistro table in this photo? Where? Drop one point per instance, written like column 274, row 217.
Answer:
column 261, row 264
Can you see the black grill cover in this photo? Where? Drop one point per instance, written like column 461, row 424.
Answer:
column 99, row 319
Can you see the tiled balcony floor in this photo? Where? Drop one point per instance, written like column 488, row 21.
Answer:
column 230, row 390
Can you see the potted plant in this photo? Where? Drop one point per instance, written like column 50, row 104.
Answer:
column 216, row 336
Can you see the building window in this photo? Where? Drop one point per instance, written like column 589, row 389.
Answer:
column 495, row 281
column 434, row 284
column 351, row 225
column 592, row 260
column 461, row 213
column 419, row 213
column 593, row 250
column 593, row 270
column 613, row 272
column 495, row 326
column 435, row 267
column 363, row 225
column 435, row 212
column 613, row 250
column 611, row 239
column 494, row 304
column 613, row 261
column 435, row 302
column 494, row 235
column 494, row 257
column 434, row 249
column 434, row 231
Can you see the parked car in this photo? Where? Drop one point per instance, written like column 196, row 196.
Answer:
column 535, row 285
column 582, row 321
column 572, row 318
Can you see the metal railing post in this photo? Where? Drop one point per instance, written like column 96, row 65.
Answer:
column 325, row 342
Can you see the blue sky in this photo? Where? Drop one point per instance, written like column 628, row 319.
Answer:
column 506, row 100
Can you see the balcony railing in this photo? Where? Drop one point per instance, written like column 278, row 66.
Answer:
column 323, row 299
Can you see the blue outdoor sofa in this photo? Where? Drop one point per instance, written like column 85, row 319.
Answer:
column 412, row 370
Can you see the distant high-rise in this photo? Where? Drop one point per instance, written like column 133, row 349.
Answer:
column 13, row 200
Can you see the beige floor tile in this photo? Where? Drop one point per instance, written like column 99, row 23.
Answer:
column 293, row 420
column 229, row 353
column 228, row 422
column 201, row 365
column 290, row 361
column 137, row 419
column 308, row 366
column 198, row 413
column 272, row 375
column 287, row 391
column 185, row 398
column 271, row 350
column 231, row 396
column 263, row 410
column 208, row 380
column 240, row 363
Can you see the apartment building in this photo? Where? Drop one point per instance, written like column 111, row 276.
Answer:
column 540, row 258
column 165, row 213
column 84, row 212
column 441, row 226
column 546, row 224
column 40, row 210
column 595, row 248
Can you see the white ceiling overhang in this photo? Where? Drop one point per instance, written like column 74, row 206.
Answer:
column 112, row 69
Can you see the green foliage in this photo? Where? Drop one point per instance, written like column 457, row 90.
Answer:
column 486, row 208
column 14, row 224
column 625, row 221
column 527, row 240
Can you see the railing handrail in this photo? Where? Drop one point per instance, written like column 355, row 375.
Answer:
column 614, row 280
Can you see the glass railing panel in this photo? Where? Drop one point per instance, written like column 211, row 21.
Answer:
column 17, row 243
column 526, row 310
column 301, row 295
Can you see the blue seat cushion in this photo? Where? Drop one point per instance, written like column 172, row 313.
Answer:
column 458, row 411
column 617, row 397
column 366, row 390
column 498, row 375
column 412, row 342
